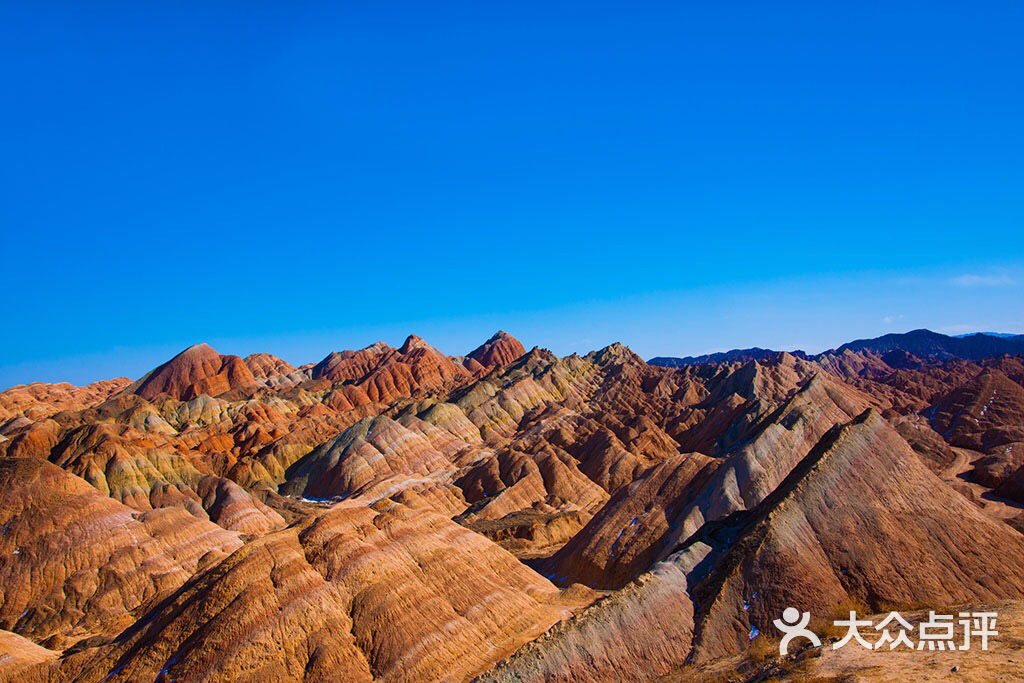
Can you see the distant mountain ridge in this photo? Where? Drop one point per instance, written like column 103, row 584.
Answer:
column 735, row 355
column 922, row 343
column 1001, row 335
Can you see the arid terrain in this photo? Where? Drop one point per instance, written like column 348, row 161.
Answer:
column 398, row 514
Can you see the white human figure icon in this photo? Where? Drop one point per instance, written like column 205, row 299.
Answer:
column 794, row 625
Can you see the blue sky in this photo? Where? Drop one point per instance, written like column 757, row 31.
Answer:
column 302, row 177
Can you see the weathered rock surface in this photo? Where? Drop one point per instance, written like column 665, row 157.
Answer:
column 75, row 563
column 390, row 593
column 196, row 370
column 638, row 634
column 23, row 660
column 982, row 414
column 859, row 519
column 501, row 349
column 384, row 374
column 40, row 400
column 673, row 501
column 264, row 366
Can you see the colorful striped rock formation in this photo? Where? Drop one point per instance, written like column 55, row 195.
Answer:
column 398, row 514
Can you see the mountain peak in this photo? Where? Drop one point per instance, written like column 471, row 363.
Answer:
column 616, row 351
column 199, row 369
column 501, row 349
column 413, row 342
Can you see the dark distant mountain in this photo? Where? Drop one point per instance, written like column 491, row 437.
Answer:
column 734, row 356
column 923, row 344
column 1001, row 335
column 932, row 345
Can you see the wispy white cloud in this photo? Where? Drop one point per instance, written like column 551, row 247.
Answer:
column 889, row 319
column 971, row 280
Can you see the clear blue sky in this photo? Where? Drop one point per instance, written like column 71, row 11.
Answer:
column 683, row 177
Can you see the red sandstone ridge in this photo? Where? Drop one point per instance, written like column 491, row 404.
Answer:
column 196, row 370
column 264, row 365
column 41, row 399
column 501, row 349
column 383, row 374
column 77, row 563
